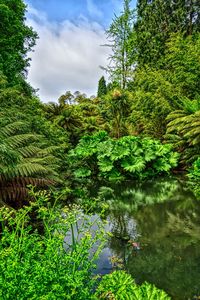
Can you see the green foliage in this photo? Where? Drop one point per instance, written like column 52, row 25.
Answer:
column 185, row 125
column 24, row 160
column 127, row 157
column 102, row 89
column 121, row 38
column 194, row 177
column 120, row 286
column 16, row 106
column 195, row 171
column 154, row 98
column 115, row 108
column 16, row 40
column 182, row 64
column 153, row 29
column 75, row 114
column 184, row 129
column 165, row 88
column 47, row 266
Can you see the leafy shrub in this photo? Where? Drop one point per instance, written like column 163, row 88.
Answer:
column 195, row 171
column 48, row 266
column 127, row 157
column 120, row 286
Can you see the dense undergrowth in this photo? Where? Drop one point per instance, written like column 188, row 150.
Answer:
column 59, row 263
column 117, row 159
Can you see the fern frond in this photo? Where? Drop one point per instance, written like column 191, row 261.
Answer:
column 24, row 162
column 29, row 150
column 48, row 150
column 21, row 139
column 12, row 128
column 46, row 160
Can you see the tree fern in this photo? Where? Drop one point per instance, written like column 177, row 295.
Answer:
column 24, row 162
column 185, row 126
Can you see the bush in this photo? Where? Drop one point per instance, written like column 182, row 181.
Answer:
column 120, row 286
column 35, row 266
column 127, row 157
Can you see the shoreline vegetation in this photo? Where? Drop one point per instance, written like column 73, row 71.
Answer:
column 144, row 123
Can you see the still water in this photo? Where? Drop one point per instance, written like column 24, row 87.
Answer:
column 155, row 228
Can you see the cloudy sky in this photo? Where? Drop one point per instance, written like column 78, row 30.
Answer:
column 69, row 52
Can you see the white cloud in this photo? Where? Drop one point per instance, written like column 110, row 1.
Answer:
column 67, row 56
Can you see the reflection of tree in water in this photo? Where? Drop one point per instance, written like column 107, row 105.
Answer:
column 123, row 229
column 165, row 218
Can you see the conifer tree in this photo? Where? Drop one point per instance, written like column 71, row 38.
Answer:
column 102, row 88
column 121, row 37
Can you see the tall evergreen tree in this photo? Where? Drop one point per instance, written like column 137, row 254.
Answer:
column 102, row 88
column 16, row 40
column 121, row 39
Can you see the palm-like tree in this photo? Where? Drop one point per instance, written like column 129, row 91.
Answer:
column 53, row 110
column 184, row 127
column 69, row 119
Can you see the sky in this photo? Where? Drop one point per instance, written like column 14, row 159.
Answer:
column 69, row 51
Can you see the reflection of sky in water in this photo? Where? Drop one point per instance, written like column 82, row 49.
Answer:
column 104, row 265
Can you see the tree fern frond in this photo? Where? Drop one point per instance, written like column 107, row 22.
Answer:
column 13, row 194
column 29, row 151
column 195, row 141
column 12, row 128
column 48, row 150
column 46, row 160
column 21, row 139
column 28, row 169
column 176, row 114
column 24, row 181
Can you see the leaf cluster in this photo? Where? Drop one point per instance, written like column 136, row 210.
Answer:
column 127, row 157
column 120, row 286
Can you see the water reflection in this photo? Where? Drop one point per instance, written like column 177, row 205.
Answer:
column 163, row 216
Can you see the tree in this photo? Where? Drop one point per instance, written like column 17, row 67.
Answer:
column 102, row 88
column 116, row 109
column 159, row 91
column 121, row 37
column 157, row 20
column 16, row 40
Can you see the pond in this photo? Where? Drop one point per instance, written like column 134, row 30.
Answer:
column 155, row 228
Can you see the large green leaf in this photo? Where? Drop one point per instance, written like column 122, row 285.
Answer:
column 133, row 164
column 82, row 172
column 119, row 151
column 105, row 165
